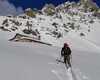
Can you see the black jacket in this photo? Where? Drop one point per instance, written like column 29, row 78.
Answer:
column 66, row 51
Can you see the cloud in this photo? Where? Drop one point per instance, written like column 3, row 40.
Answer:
column 7, row 8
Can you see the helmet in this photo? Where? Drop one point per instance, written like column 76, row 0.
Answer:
column 65, row 45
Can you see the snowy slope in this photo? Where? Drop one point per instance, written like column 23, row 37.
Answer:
column 44, row 25
column 49, row 34
column 33, row 61
column 69, row 22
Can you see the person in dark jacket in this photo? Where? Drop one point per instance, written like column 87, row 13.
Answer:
column 66, row 54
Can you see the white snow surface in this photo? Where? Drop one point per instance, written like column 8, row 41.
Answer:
column 34, row 61
column 49, row 33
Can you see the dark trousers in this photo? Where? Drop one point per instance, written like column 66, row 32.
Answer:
column 67, row 60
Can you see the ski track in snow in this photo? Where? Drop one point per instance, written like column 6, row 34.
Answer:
column 70, row 74
column 76, row 75
column 57, row 74
column 61, row 73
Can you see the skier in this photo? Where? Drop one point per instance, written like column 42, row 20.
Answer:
column 66, row 54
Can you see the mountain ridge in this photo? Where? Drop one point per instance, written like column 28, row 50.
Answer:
column 54, row 25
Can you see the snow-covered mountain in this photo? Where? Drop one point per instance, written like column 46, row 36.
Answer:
column 75, row 23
